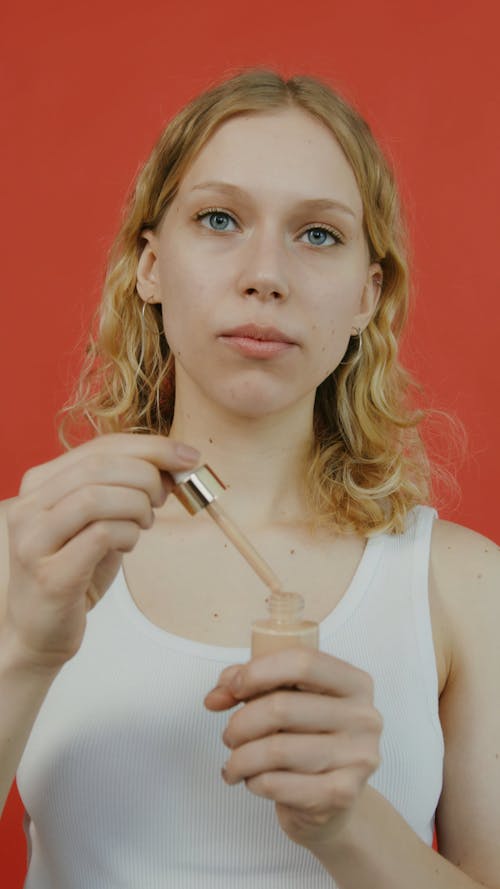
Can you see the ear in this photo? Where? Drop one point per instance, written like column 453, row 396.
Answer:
column 370, row 296
column 148, row 285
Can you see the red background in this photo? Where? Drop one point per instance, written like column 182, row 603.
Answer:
column 86, row 90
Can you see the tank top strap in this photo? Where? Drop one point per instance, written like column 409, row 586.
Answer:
column 422, row 519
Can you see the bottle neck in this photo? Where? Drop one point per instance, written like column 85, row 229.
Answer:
column 285, row 608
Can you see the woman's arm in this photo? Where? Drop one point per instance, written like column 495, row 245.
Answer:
column 22, row 690
column 466, row 568
column 378, row 850
column 313, row 753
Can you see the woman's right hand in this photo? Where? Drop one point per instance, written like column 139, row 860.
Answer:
column 73, row 519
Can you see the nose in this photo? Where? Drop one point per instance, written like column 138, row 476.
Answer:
column 263, row 266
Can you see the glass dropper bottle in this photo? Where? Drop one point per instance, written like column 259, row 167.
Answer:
column 284, row 628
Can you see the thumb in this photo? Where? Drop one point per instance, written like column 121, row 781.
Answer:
column 221, row 697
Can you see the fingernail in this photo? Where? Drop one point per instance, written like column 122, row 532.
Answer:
column 186, row 453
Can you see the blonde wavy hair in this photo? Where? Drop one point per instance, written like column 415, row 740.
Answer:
column 367, row 466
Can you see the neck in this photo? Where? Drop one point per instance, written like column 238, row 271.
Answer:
column 261, row 460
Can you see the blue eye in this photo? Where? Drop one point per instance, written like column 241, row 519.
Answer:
column 323, row 232
column 220, row 218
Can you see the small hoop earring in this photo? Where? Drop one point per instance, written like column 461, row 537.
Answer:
column 143, row 327
column 145, row 302
column 359, row 334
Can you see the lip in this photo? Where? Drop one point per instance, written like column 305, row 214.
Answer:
column 259, row 334
column 252, row 348
column 254, row 341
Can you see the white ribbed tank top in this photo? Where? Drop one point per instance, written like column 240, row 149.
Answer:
column 121, row 774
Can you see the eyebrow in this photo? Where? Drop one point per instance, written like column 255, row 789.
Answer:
column 312, row 203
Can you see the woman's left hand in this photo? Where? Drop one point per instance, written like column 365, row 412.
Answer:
column 307, row 737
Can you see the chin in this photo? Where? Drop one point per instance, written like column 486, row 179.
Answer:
column 254, row 398
column 253, row 409
column 253, row 414
column 257, row 405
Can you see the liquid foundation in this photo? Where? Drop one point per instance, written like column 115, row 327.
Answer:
column 284, row 627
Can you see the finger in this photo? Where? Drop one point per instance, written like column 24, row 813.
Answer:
column 294, row 711
column 88, row 548
column 47, row 531
column 228, row 674
column 220, row 697
column 312, row 794
column 300, row 667
column 164, row 453
column 306, row 754
column 100, row 469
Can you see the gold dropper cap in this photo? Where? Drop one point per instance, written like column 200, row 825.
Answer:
column 196, row 488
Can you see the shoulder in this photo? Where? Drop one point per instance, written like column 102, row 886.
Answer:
column 462, row 561
column 464, row 588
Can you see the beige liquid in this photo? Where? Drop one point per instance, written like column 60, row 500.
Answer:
column 269, row 636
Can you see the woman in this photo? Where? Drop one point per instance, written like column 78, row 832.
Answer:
column 252, row 310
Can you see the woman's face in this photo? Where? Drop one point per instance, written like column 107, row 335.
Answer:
column 266, row 231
